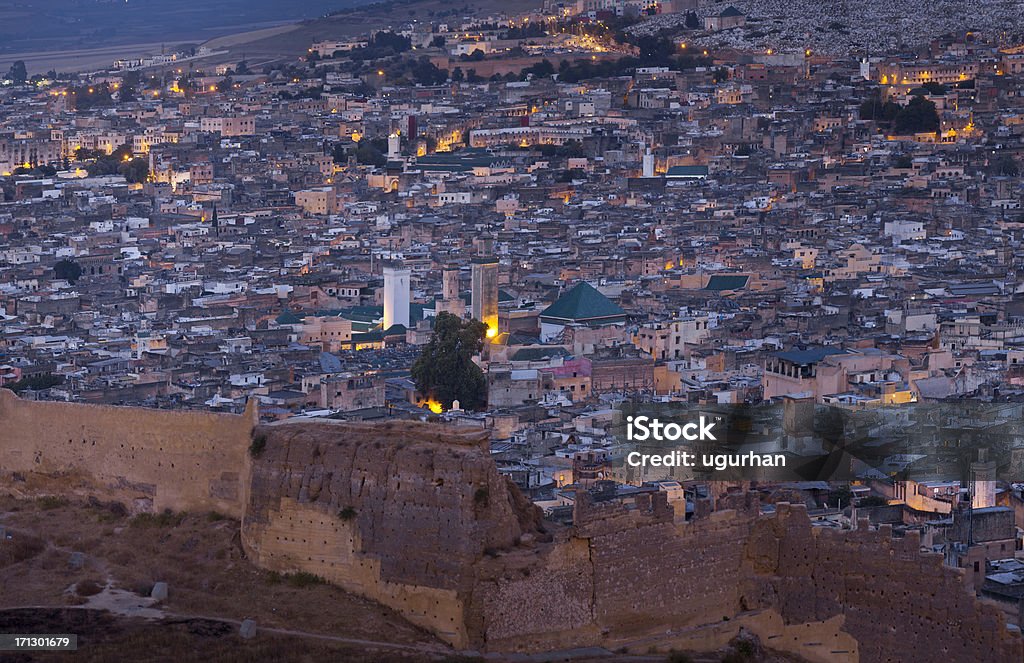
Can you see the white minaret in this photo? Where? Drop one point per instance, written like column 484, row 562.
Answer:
column 395, row 146
column 396, row 296
column 648, row 163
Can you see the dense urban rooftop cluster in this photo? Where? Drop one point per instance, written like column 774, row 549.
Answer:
column 841, row 27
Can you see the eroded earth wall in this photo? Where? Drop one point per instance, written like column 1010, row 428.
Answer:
column 416, row 516
column 399, row 512
column 149, row 460
column 893, row 598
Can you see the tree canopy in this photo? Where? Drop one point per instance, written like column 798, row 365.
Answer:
column 35, row 383
column 17, row 72
column 69, row 270
column 445, row 371
column 119, row 162
column 1005, row 165
column 917, row 116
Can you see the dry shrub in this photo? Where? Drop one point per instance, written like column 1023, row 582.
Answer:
column 88, row 587
column 19, row 548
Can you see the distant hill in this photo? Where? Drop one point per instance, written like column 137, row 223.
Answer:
column 51, row 25
column 85, row 35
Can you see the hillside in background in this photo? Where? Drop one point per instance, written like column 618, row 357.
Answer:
column 34, row 25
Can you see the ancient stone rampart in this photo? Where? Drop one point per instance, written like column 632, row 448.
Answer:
column 416, row 516
column 399, row 513
column 147, row 459
column 893, row 598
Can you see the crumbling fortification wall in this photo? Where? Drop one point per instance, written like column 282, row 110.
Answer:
column 631, row 578
column 618, row 576
column 147, row 459
column 399, row 512
column 416, row 516
column 894, row 599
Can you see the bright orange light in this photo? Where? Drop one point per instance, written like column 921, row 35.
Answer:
column 434, row 406
column 492, row 332
column 213, row 88
column 380, row 72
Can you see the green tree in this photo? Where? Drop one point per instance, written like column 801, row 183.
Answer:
column 1005, row 165
column 445, row 370
column 370, row 154
column 36, row 382
column 134, row 171
column 69, row 270
column 542, row 69
column 919, row 115
column 17, row 72
column 875, row 109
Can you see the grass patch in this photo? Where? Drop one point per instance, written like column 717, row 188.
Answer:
column 299, row 579
column 19, row 548
column 167, row 518
column 304, row 579
column 50, row 502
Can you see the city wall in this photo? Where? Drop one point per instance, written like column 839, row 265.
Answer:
column 417, row 517
column 150, row 460
column 397, row 512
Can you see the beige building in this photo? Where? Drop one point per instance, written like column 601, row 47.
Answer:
column 667, row 340
column 317, row 201
column 349, row 392
column 329, row 333
column 854, row 262
column 229, row 126
column 837, row 376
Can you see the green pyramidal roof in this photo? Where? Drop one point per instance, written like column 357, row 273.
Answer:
column 581, row 304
